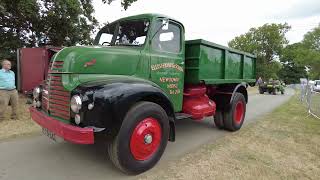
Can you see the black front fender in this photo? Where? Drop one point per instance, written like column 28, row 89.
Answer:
column 111, row 102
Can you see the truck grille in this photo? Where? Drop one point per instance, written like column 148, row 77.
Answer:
column 57, row 99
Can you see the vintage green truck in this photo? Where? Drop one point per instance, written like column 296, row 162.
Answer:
column 134, row 83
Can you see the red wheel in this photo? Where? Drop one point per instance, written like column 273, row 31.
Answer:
column 238, row 112
column 145, row 139
column 142, row 138
column 235, row 113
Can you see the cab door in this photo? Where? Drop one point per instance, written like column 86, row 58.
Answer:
column 167, row 59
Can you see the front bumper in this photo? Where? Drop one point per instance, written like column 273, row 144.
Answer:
column 68, row 132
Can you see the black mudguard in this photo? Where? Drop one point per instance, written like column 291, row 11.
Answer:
column 112, row 100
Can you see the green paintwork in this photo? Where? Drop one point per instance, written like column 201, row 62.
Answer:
column 204, row 61
column 124, row 62
column 216, row 64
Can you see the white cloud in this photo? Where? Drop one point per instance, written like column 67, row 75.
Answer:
column 219, row 21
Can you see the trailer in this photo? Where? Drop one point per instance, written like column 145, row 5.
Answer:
column 138, row 79
column 32, row 67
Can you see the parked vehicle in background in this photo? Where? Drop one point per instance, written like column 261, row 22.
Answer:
column 32, row 67
column 272, row 87
column 135, row 82
column 316, row 86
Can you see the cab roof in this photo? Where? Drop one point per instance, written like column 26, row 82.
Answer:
column 147, row 16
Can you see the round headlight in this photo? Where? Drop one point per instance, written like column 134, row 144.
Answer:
column 76, row 103
column 36, row 92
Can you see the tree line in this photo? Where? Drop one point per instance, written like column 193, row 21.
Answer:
column 278, row 59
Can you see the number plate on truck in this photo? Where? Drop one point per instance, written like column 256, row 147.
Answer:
column 48, row 133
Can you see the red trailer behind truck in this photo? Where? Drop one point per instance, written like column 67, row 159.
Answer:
column 32, row 66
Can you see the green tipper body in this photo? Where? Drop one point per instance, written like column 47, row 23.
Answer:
column 195, row 61
column 216, row 64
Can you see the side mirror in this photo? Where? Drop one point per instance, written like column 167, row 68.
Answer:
column 165, row 24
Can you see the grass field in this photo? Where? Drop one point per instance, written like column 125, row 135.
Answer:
column 24, row 126
column 282, row 145
column 315, row 103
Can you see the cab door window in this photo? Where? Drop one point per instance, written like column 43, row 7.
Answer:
column 167, row 40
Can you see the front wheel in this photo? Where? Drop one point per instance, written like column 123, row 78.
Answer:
column 141, row 140
column 235, row 113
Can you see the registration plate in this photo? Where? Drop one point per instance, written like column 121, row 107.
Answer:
column 48, row 133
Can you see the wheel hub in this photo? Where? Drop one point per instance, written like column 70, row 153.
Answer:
column 145, row 139
column 239, row 112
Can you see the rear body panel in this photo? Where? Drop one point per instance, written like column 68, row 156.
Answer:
column 216, row 64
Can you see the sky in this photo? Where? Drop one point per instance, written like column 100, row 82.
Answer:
column 221, row 21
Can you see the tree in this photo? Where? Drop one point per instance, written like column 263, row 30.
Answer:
column 66, row 22
column 30, row 23
column 311, row 39
column 267, row 42
column 18, row 20
column 124, row 3
column 291, row 70
column 309, row 53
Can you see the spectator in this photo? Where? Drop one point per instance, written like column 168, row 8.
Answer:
column 259, row 81
column 8, row 92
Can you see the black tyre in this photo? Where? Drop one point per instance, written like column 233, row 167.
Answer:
column 282, row 92
column 218, row 119
column 235, row 113
column 141, row 140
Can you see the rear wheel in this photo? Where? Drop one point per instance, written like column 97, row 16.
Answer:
column 218, row 119
column 235, row 113
column 141, row 140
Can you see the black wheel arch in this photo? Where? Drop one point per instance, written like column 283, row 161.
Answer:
column 240, row 88
column 112, row 100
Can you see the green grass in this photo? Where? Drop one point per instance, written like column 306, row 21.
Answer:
column 284, row 144
column 315, row 104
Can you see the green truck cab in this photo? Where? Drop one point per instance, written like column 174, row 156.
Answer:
column 134, row 83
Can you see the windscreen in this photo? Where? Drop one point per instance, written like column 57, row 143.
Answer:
column 125, row 33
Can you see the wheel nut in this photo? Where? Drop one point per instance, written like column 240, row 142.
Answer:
column 147, row 139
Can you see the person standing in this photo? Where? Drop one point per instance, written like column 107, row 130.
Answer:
column 259, row 82
column 8, row 92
